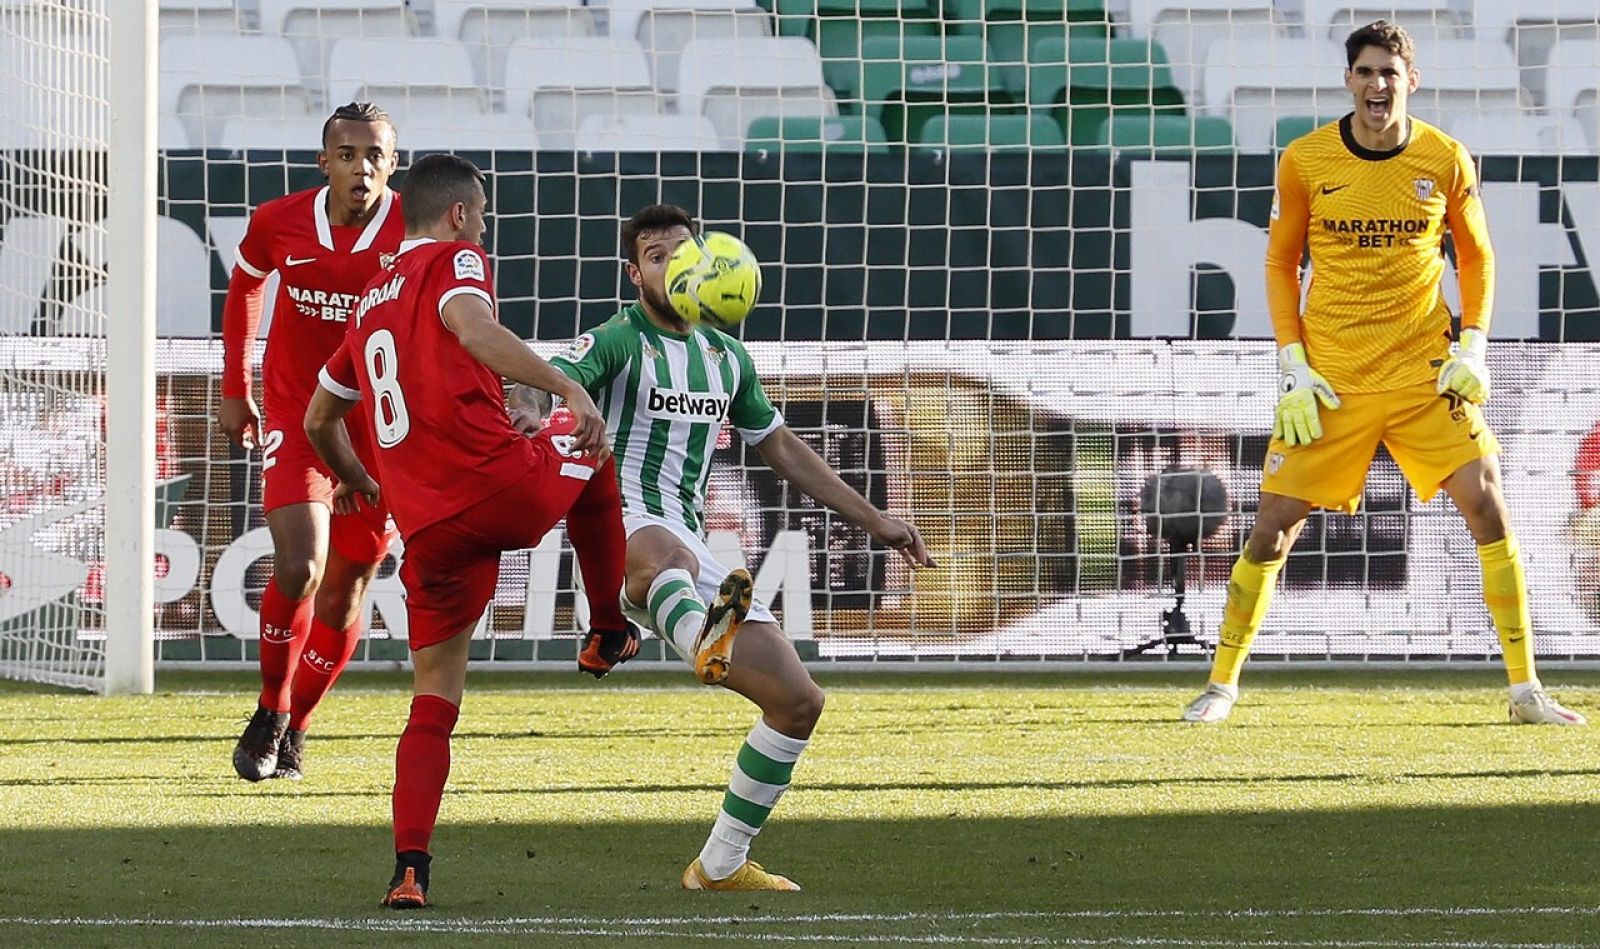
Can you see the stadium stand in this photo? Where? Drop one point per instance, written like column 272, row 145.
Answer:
column 207, row 80
column 1101, row 77
column 1185, row 29
column 735, row 81
column 837, row 133
column 489, row 27
column 562, row 83
column 1203, row 133
column 202, row 16
column 993, row 132
column 664, row 27
column 907, row 81
column 642, row 132
column 313, row 26
column 1572, row 85
column 1256, row 85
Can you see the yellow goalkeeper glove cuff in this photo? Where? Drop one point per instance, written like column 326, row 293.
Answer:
column 1300, row 388
column 1466, row 373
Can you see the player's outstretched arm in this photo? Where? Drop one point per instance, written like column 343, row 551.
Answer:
column 325, row 428
column 237, row 414
column 794, row 460
column 486, row 340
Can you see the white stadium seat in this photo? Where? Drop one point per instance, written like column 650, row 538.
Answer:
column 313, row 26
column 201, row 16
column 1428, row 21
column 1572, row 86
column 1468, row 77
column 1254, row 85
column 487, row 27
column 664, row 27
column 243, row 134
column 1527, row 135
column 414, row 77
column 1533, row 29
column 562, row 83
column 209, row 79
column 647, row 133
column 735, row 81
column 1187, row 28
column 57, row 103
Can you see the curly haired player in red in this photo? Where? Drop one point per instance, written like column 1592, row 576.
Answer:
column 424, row 360
column 325, row 244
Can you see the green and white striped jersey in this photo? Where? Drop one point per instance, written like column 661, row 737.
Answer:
column 664, row 396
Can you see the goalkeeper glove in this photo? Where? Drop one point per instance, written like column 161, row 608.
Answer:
column 1299, row 391
column 1465, row 373
column 605, row 649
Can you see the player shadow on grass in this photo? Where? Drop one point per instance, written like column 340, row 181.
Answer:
column 1019, row 878
column 1246, row 780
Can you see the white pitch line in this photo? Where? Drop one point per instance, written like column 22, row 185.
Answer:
column 507, row 928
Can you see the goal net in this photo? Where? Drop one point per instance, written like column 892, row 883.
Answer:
column 1013, row 254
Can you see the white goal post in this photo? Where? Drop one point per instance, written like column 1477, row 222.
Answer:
column 78, row 122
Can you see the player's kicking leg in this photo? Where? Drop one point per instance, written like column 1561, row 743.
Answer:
column 662, row 582
column 766, row 671
column 1250, row 586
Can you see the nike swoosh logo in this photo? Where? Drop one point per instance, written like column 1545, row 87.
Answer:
column 1328, row 190
column 297, row 261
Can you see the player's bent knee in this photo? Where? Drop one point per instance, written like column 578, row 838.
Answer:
column 802, row 710
column 295, row 577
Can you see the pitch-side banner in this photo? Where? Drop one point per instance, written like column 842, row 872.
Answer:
column 1063, row 488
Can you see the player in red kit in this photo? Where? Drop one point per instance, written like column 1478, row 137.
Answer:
column 325, row 243
column 424, row 359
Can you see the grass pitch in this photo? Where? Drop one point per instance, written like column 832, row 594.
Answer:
column 1335, row 809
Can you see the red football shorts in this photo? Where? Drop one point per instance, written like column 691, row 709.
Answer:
column 293, row 473
column 450, row 567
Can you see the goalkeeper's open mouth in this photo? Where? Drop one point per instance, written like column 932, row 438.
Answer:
column 1379, row 107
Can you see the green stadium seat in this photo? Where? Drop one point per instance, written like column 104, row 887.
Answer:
column 907, row 81
column 992, row 133
column 1291, row 127
column 1084, row 79
column 858, row 134
column 1012, row 27
column 837, row 27
column 968, row 16
column 1206, row 133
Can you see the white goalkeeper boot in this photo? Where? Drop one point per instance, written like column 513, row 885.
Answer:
column 1215, row 704
column 1536, row 707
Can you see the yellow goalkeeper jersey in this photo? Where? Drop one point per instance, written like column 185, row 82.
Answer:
column 1375, row 223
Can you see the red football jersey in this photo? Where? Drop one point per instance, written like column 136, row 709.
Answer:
column 438, row 416
column 322, row 269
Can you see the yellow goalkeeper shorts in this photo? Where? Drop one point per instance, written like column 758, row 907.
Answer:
column 1430, row 436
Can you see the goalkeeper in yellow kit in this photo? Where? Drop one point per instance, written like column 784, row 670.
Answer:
column 1373, row 195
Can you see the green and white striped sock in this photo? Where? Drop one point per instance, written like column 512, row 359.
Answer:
column 760, row 776
column 675, row 608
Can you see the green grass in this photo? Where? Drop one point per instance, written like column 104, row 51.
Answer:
column 1340, row 809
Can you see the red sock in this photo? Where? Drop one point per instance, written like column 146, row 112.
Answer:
column 594, row 526
column 327, row 652
column 285, row 624
column 421, row 765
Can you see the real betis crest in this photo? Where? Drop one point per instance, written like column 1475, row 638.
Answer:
column 1424, row 188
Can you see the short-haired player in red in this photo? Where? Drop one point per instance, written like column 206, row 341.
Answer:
column 325, row 243
column 424, row 359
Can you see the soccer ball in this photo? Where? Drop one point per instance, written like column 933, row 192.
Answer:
column 713, row 278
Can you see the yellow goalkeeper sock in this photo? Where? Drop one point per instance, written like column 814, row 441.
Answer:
column 1249, row 595
column 1505, row 593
